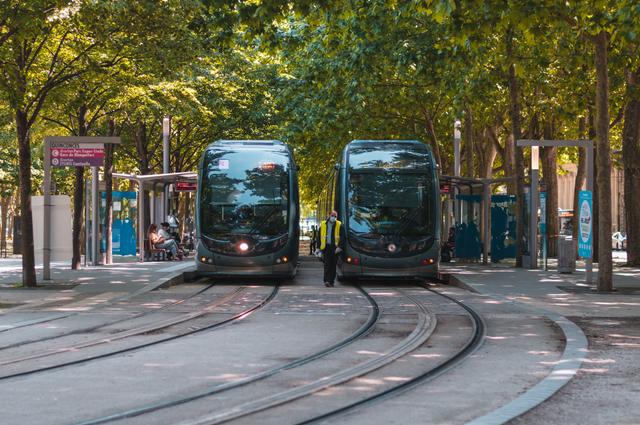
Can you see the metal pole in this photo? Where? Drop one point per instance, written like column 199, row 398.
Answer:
column 589, row 262
column 87, row 224
column 486, row 202
column 141, row 232
column 46, row 237
column 95, row 217
column 533, row 200
column 166, row 133
column 456, row 169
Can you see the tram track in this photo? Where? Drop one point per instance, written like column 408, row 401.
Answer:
column 474, row 342
column 255, row 410
column 92, row 328
column 147, row 330
column 362, row 331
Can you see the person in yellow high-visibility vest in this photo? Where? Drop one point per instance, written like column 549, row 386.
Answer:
column 331, row 245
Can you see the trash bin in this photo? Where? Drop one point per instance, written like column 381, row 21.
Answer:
column 566, row 255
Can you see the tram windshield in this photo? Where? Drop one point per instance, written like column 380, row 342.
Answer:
column 244, row 192
column 391, row 203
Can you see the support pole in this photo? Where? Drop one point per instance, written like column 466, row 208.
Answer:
column 166, row 146
column 533, row 201
column 87, row 224
column 589, row 262
column 95, row 217
column 46, row 237
column 486, row 210
column 141, row 232
column 456, row 169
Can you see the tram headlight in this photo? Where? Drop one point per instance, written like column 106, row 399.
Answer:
column 427, row 261
column 285, row 259
column 243, row 246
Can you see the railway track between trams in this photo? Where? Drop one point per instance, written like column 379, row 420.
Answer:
column 143, row 330
column 60, row 316
column 256, row 409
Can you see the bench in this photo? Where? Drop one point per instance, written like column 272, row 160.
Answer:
column 154, row 254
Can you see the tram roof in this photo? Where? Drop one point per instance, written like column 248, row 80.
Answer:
column 364, row 141
column 226, row 142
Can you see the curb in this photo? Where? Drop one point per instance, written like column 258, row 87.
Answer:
column 575, row 349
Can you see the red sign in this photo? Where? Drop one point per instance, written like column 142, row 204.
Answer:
column 77, row 156
column 185, row 186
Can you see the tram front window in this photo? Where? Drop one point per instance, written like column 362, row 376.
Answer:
column 244, row 193
column 390, row 204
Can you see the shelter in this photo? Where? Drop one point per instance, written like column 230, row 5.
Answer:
column 471, row 199
column 151, row 182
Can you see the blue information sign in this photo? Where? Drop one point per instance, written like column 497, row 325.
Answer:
column 585, row 224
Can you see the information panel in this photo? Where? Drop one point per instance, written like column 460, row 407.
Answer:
column 585, row 224
column 77, row 154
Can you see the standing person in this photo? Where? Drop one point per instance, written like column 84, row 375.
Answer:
column 331, row 243
column 313, row 243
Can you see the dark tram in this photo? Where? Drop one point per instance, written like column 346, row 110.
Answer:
column 387, row 196
column 247, row 210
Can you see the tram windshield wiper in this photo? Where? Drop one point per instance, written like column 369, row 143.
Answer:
column 274, row 208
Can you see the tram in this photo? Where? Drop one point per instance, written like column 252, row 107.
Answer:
column 387, row 196
column 247, row 210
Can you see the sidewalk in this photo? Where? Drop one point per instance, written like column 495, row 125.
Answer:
column 126, row 277
column 565, row 294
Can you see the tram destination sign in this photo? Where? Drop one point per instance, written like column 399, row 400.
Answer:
column 64, row 154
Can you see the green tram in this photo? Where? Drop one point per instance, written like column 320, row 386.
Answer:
column 387, row 196
column 247, row 210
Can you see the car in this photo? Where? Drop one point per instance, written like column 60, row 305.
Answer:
column 619, row 240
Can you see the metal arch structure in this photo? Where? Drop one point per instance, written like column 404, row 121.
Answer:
column 150, row 181
column 535, row 144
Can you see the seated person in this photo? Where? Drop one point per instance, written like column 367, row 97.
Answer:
column 165, row 233
column 157, row 241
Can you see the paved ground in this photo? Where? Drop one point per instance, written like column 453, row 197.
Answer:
column 126, row 277
column 605, row 389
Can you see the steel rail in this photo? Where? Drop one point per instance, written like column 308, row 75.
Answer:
column 140, row 330
column 416, row 338
column 235, row 317
column 64, row 316
column 474, row 342
column 362, row 331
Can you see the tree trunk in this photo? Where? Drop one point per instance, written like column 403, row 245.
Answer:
column 550, row 170
column 486, row 152
column 4, row 206
column 468, row 142
column 78, row 203
column 24, row 149
column 581, row 174
column 431, row 130
column 78, row 195
column 108, row 182
column 143, row 163
column 631, row 161
column 601, row 43
column 514, row 111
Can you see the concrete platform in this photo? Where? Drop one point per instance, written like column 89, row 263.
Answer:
column 126, row 277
